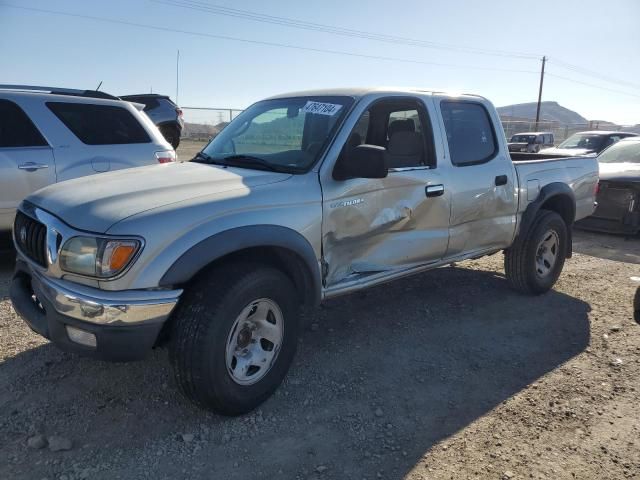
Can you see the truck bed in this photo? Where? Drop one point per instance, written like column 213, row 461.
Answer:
column 535, row 171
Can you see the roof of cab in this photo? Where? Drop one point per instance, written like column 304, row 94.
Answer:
column 359, row 92
column 606, row 132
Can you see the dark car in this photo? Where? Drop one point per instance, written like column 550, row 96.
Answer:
column 588, row 143
column 530, row 142
column 163, row 112
column 618, row 197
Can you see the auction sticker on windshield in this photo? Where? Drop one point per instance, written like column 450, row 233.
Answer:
column 321, row 108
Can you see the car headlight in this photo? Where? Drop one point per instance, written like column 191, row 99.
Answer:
column 97, row 257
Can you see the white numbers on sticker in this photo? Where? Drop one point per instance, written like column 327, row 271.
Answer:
column 320, row 108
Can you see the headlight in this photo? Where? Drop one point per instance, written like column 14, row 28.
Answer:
column 97, row 257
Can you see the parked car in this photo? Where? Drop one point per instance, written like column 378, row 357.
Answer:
column 530, row 142
column 163, row 112
column 618, row 196
column 587, row 143
column 49, row 135
column 303, row 197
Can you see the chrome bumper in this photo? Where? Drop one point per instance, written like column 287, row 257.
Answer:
column 104, row 307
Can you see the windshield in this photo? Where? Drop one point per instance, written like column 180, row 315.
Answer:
column 582, row 140
column 523, row 139
column 283, row 134
column 621, row 152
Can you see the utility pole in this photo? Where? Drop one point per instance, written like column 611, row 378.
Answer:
column 544, row 60
column 177, row 76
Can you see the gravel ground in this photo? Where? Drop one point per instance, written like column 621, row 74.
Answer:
column 447, row 374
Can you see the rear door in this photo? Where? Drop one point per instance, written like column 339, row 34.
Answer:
column 377, row 226
column 26, row 160
column 99, row 138
column 482, row 179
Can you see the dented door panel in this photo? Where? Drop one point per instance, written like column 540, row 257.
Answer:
column 373, row 226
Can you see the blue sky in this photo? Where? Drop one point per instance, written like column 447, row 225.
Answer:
column 46, row 49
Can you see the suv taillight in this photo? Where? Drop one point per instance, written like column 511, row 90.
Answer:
column 179, row 111
column 166, row 156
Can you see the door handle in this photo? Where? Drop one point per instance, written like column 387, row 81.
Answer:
column 434, row 190
column 501, row 180
column 31, row 167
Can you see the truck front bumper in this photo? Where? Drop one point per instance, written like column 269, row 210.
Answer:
column 116, row 326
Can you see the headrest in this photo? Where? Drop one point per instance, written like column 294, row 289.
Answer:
column 405, row 143
column 407, row 125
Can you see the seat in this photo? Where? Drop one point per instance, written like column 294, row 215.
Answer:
column 407, row 125
column 405, row 149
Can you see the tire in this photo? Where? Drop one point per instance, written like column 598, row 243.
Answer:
column 203, row 329
column 527, row 263
column 636, row 306
column 171, row 135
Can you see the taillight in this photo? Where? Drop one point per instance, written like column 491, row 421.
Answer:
column 166, row 156
column 596, row 189
column 179, row 111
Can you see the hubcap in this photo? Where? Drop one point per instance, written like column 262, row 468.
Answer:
column 547, row 253
column 254, row 341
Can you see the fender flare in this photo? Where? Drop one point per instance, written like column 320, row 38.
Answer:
column 548, row 192
column 229, row 241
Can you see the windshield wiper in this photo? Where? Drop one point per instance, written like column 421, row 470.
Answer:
column 202, row 157
column 248, row 161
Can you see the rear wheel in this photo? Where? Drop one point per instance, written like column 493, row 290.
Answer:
column 234, row 337
column 171, row 135
column 534, row 263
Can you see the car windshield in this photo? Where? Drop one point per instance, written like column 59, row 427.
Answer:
column 621, row 152
column 282, row 134
column 523, row 139
column 583, row 140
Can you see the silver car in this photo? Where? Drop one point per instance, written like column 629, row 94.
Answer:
column 50, row 135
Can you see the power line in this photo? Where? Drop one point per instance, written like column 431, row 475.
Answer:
column 336, row 30
column 592, row 85
column 311, row 26
column 591, row 73
column 264, row 43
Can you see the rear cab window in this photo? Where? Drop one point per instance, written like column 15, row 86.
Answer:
column 100, row 124
column 470, row 133
column 17, row 129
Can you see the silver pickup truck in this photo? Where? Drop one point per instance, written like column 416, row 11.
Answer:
column 303, row 197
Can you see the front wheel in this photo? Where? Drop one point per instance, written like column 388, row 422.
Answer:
column 534, row 263
column 234, row 337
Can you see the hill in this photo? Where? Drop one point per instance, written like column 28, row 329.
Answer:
column 549, row 111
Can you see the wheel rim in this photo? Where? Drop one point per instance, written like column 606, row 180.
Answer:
column 547, row 253
column 254, row 341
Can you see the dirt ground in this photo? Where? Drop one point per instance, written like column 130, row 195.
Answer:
column 445, row 375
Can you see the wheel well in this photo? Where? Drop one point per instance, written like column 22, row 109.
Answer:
column 563, row 206
column 280, row 258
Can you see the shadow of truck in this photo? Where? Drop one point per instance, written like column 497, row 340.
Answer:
column 380, row 378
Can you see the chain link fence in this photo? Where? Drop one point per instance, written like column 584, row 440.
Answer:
column 202, row 123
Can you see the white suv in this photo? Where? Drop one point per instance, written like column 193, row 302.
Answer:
column 49, row 135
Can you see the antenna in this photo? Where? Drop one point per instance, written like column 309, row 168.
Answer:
column 99, row 85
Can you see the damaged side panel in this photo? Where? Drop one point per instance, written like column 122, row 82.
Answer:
column 372, row 226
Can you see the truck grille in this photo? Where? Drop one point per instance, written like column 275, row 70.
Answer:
column 31, row 237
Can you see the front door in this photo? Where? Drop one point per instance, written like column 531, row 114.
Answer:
column 378, row 226
column 26, row 160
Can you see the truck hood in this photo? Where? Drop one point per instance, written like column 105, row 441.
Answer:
column 96, row 202
column 569, row 152
column 624, row 172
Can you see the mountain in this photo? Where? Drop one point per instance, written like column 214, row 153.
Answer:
column 549, row 111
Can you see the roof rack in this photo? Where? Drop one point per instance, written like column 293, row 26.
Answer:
column 60, row 91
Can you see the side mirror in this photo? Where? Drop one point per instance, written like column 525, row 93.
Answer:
column 363, row 161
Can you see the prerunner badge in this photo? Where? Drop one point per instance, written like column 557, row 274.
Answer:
column 320, row 108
